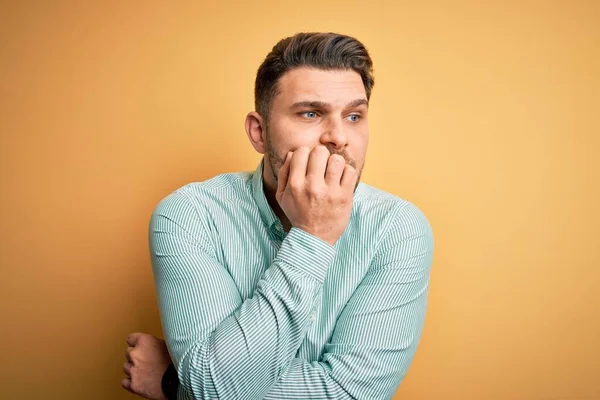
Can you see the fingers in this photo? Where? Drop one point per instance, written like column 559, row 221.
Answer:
column 349, row 177
column 284, row 171
column 128, row 354
column 127, row 368
column 132, row 341
column 126, row 384
column 133, row 338
column 297, row 174
column 335, row 168
column 304, row 162
column 317, row 162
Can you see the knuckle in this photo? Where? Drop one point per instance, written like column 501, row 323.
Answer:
column 314, row 187
column 294, row 182
column 132, row 354
column 146, row 338
column 135, row 385
column 295, row 187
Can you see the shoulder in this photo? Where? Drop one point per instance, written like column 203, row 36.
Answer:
column 388, row 209
column 396, row 223
column 191, row 204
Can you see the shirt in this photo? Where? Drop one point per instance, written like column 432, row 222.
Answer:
column 252, row 312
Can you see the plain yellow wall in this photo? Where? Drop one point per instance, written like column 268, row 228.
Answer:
column 484, row 114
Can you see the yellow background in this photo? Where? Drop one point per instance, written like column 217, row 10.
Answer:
column 484, row 114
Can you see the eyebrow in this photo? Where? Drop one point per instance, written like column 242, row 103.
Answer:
column 323, row 105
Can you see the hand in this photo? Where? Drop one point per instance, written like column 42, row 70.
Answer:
column 147, row 360
column 315, row 190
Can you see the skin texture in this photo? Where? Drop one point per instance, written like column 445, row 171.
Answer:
column 147, row 359
column 314, row 156
column 343, row 130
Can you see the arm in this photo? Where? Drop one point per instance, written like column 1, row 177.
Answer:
column 223, row 347
column 376, row 336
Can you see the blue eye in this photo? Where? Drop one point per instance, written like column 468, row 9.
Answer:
column 356, row 117
column 310, row 112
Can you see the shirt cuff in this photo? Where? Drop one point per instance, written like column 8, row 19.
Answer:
column 307, row 253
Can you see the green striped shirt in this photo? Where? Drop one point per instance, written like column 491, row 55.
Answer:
column 252, row 312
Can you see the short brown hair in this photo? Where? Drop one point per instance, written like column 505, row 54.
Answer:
column 328, row 51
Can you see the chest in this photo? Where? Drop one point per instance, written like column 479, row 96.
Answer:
column 249, row 259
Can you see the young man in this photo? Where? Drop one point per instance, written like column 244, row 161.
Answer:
column 296, row 280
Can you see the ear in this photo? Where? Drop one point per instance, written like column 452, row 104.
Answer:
column 255, row 131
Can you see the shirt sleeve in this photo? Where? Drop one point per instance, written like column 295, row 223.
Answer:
column 221, row 346
column 376, row 335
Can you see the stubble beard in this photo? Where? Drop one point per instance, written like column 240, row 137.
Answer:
column 276, row 161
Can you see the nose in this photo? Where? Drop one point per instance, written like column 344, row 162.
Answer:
column 334, row 134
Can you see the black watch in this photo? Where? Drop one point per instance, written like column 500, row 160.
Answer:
column 170, row 382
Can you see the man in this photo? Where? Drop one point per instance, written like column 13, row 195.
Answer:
column 296, row 281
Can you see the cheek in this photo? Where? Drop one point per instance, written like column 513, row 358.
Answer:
column 362, row 139
column 287, row 136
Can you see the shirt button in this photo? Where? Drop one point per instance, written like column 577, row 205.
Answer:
column 313, row 317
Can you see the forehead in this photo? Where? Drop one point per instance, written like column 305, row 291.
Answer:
column 332, row 86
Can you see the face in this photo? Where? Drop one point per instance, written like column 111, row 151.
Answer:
column 315, row 107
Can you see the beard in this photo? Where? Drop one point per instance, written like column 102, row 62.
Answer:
column 276, row 161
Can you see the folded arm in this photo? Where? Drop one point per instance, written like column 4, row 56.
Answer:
column 224, row 347
column 376, row 335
